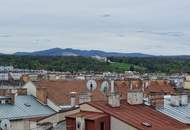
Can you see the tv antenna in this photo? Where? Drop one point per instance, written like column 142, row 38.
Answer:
column 91, row 85
column 104, row 87
column 5, row 124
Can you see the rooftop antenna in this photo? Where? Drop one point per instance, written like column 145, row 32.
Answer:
column 5, row 124
column 91, row 85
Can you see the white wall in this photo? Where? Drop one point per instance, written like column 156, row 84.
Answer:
column 86, row 107
column 20, row 125
column 119, row 125
column 31, row 88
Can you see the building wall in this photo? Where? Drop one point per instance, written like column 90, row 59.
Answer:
column 31, row 89
column 20, row 125
column 119, row 125
column 188, row 78
column 42, row 94
column 86, row 107
column 58, row 117
column 187, row 84
column 33, row 125
column 89, row 124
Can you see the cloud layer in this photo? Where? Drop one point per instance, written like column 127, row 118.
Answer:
column 159, row 27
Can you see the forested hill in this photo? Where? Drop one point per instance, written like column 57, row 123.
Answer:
column 118, row 64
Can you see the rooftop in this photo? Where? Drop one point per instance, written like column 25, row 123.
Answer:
column 58, row 90
column 140, row 116
column 181, row 113
column 25, row 107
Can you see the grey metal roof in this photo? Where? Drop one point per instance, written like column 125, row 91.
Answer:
column 181, row 113
column 25, row 107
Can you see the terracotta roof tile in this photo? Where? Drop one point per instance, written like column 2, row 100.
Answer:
column 58, row 91
column 135, row 115
column 159, row 86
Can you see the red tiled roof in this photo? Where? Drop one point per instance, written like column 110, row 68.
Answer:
column 135, row 115
column 159, row 86
column 58, row 91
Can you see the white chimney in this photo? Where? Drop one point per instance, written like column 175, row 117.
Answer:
column 113, row 97
column 135, row 97
column 85, row 97
column 131, row 85
column 114, row 100
column 73, row 99
column 112, row 86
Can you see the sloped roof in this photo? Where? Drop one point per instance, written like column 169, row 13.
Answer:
column 159, row 86
column 25, row 107
column 58, row 91
column 135, row 115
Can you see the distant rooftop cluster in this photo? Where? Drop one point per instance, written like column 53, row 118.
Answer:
column 81, row 101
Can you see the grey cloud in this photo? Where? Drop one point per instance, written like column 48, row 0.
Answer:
column 149, row 26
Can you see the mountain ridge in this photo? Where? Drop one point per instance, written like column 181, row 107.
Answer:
column 78, row 52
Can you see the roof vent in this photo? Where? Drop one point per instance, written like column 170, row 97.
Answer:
column 27, row 105
column 146, row 124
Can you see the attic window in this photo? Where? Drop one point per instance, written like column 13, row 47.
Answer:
column 146, row 124
column 27, row 105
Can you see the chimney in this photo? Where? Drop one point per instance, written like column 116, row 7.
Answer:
column 131, row 85
column 143, row 85
column 73, row 99
column 135, row 97
column 112, row 86
column 85, row 97
column 179, row 100
column 113, row 97
column 12, row 98
column 41, row 94
column 156, row 100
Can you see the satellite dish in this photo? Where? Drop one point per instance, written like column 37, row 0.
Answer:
column 91, row 85
column 5, row 124
column 104, row 87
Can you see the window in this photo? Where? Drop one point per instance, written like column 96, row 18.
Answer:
column 102, row 126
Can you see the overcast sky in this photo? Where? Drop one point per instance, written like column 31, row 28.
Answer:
column 159, row 27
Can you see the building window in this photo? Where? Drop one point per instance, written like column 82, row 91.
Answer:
column 78, row 125
column 102, row 126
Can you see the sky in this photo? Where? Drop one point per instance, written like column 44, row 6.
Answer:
column 158, row 27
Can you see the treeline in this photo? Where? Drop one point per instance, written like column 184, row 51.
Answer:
column 71, row 64
column 158, row 64
column 79, row 64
